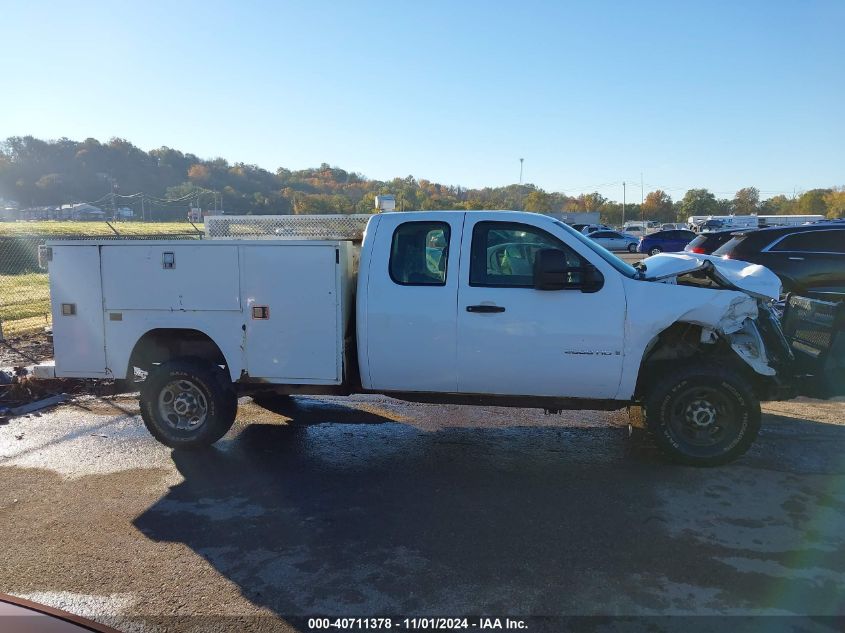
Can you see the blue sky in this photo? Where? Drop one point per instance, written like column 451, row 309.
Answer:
column 714, row 94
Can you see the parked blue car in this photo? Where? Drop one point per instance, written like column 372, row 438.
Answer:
column 665, row 242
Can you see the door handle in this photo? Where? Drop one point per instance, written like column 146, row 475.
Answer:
column 485, row 309
column 797, row 259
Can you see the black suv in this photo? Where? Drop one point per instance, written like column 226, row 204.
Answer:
column 808, row 259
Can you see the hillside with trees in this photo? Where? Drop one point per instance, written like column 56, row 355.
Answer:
column 34, row 173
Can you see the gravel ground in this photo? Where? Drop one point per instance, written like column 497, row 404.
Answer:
column 25, row 350
column 368, row 506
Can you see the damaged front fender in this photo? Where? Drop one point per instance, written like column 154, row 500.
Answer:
column 722, row 314
column 735, row 320
column 749, row 346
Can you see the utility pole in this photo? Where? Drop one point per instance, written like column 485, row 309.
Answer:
column 623, row 204
column 520, row 170
column 642, row 201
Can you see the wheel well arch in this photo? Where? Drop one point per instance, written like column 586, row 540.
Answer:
column 161, row 344
column 680, row 342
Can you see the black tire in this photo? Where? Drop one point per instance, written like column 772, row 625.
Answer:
column 209, row 385
column 632, row 248
column 702, row 415
column 655, row 251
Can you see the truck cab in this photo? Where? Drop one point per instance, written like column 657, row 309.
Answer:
column 447, row 302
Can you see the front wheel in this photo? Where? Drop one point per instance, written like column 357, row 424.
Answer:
column 702, row 415
column 632, row 248
column 655, row 251
column 188, row 403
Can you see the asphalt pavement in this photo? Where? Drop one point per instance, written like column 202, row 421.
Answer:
column 369, row 506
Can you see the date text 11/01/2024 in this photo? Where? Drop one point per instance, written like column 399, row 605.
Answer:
column 358, row 624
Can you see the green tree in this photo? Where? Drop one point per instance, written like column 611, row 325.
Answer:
column 698, row 202
column 593, row 201
column 746, row 201
column 779, row 205
column 658, row 206
column 538, row 201
column 724, row 206
column 835, row 202
column 611, row 214
column 36, row 172
column 812, row 202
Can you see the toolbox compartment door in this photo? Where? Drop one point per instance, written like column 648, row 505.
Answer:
column 173, row 276
column 77, row 308
column 293, row 313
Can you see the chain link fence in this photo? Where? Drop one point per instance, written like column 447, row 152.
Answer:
column 312, row 227
column 24, row 286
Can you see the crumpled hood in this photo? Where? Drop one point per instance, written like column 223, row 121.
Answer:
column 752, row 279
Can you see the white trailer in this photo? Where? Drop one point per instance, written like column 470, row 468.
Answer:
column 711, row 223
column 787, row 220
column 705, row 223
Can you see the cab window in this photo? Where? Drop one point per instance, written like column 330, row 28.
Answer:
column 419, row 253
column 503, row 254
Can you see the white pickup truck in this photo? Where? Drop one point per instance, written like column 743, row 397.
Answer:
column 480, row 307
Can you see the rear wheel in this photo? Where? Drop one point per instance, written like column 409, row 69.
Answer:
column 703, row 415
column 655, row 250
column 188, row 403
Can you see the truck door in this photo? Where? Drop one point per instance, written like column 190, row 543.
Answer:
column 410, row 304
column 516, row 340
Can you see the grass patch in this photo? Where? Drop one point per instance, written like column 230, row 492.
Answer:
column 56, row 227
column 26, row 326
column 24, row 296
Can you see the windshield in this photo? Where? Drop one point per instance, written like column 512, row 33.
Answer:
column 606, row 255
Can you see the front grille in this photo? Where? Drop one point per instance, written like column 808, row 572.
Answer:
column 810, row 324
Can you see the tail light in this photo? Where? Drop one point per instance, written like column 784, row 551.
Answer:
column 697, row 249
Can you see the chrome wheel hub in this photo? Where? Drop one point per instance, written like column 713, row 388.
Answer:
column 182, row 404
column 703, row 417
column 701, row 413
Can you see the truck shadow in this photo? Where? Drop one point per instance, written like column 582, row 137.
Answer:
column 304, row 411
column 381, row 518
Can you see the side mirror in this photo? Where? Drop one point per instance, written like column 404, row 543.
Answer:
column 552, row 272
